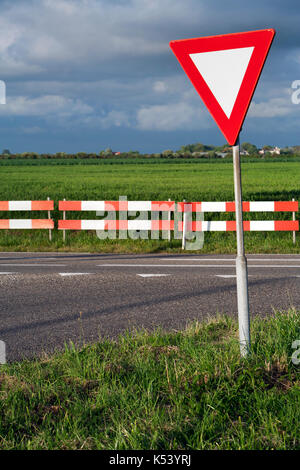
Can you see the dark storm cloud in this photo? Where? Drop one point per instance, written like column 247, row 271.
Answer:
column 106, row 67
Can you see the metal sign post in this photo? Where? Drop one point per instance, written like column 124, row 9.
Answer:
column 241, row 260
column 184, row 227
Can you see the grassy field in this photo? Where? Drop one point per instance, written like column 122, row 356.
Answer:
column 145, row 180
column 178, row 390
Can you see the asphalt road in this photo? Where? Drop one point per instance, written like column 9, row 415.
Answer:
column 47, row 299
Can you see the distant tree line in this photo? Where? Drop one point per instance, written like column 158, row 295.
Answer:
column 190, row 151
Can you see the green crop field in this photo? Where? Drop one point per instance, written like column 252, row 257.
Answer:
column 142, row 179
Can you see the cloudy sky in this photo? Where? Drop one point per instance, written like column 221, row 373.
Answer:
column 84, row 75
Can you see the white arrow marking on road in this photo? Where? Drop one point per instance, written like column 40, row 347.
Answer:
column 224, row 86
column 153, row 275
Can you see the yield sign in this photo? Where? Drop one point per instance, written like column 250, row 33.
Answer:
column 225, row 70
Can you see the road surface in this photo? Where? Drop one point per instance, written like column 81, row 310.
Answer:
column 47, row 299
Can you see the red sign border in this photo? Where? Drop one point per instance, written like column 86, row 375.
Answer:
column 261, row 40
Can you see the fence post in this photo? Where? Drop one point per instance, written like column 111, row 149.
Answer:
column 184, row 226
column 294, row 218
column 169, row 220
column 49, row 217
column 64, row 218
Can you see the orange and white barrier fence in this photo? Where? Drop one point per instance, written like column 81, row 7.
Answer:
column 181, row 207
column 118, row 206
column 230, row 225
column 249, row 225
column 20, row 206
column 114, row 207
column 156, row 222
column 251, row 206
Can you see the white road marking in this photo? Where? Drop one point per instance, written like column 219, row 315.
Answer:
column 153, row 275
column 231, row 259
column 197, row 259
column 167, row 265
column 73, row 274
column 198, row 265
column 227, row 275
column 26, row 264
column 5, row 272
column 36, row 258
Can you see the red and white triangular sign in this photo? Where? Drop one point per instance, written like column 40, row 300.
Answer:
column 225, row 70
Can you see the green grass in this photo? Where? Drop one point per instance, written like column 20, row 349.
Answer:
column 178, row 390
column 146, row 180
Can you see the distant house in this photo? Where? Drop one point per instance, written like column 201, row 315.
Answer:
column 275, row 150
column 244, row 152
column 272, row 151
column 116, row 153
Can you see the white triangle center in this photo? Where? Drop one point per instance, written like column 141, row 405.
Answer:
column 223, row 72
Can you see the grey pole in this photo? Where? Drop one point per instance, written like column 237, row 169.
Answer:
column 184, row 227
column 49, row 217
column 2, row 352
column 169, row 219
column 241, row 260
column 294, row 218
column 64, row 217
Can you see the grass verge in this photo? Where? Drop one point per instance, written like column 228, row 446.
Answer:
column 180, row 390
column 224, row 243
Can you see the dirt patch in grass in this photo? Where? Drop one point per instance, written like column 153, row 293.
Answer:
column 13, row 383
column 157, row 351
column 278, row 375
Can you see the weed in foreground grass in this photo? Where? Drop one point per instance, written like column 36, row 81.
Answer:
column 179, row 390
